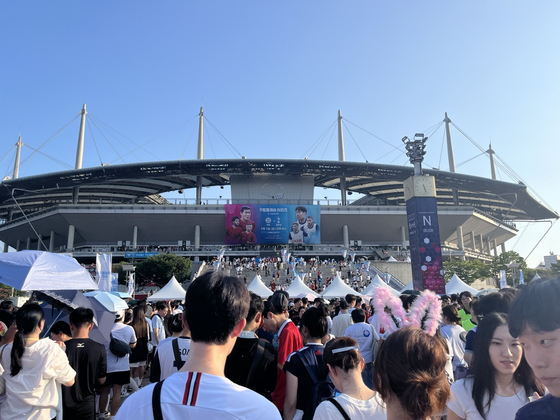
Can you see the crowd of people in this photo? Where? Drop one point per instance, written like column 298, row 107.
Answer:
column 227, row 353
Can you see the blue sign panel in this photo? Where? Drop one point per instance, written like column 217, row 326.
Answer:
column 139, row 254
column 272, row 224
column 425, row 246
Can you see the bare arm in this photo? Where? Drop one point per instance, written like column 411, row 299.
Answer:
column 452, row 416
column 70, row 383
column 291, row 396
column 101, row 381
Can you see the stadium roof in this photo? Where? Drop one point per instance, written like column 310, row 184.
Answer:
column 144, row 182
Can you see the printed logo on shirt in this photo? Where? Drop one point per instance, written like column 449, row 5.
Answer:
column 367, row 333
column 80, row 345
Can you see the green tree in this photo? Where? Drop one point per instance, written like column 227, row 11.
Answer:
column 160, row 268
column 501, row 262
column 467, row 270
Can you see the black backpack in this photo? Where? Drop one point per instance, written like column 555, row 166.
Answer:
column 321, row 391
column 118, row 347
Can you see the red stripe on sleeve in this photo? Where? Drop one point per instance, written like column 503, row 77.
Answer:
column 187, row 389
column 195, row 391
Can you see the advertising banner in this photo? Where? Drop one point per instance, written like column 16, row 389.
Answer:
column 425, row 248
column 272, row 224
column 103, row 272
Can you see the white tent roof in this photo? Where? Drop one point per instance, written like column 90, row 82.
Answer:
column 375, row 283
column 409, row 286
column 171, row 291
column 259, row 288
column 337, row 289
column 391, row 259
column 456, row 285
column 298, row 287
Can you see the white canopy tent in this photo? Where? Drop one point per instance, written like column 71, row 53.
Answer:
column 392, row 259
column 259, row 288
column 375, row 283
column 298, row 287
column 337, row 289
column 171, row 291
column 409, row 286
column 456, row 285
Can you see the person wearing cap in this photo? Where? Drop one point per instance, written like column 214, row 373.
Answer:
column 288, row 340
column 118, row 368
column 342, row 321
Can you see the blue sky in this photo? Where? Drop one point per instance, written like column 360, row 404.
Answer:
column 272, row 75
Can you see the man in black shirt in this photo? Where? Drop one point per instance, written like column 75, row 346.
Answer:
column 252, row 362
column 89, row 360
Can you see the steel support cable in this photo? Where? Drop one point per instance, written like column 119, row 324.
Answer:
column 12, row 159
column 316, row 143
column 94, row 142
column 49, row 157
column 108, row 142
column 97, row 122
column 144, row 144
column 355, row 142
column 327, row 145
column 23, row 213
column 222, row 136
column 377, row 137
column 510, row 170
column 468, row 160
column 542, row 237
column 441, row 150
column 47, row 141
column 187, row 144
column 210, row 143
column 309, row 152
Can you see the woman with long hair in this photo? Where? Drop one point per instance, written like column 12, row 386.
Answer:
column 345, row 365
column 501, row 380
column 139, row 353
column 33, row 367
column 409, row 374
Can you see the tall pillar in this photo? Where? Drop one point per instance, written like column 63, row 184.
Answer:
column 28, row 245
column 18, row 245
column 481, row 240
column 39, row 242
column 80, row 149
column 494, row 247
column 70, row 243
column 51, row 242
column 503, row 247
column 15, row 173
column 341, row 158
column 460, row 242
column 200, row 154
column 134, row 237
column 196, row 240
column 6, row 247
column 345, row 237
column 473, row 243
column 403, row 237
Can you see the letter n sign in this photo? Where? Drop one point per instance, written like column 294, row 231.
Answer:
column 425, row 248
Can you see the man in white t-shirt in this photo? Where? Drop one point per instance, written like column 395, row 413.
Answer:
column 158, row 318
column 215, row 309
column 366, row 337
column 118, row 368
column 342, row 321
column 171, row 354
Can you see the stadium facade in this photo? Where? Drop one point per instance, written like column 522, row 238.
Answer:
column 120, row 208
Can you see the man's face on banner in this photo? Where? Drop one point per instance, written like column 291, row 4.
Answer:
column 246, row 215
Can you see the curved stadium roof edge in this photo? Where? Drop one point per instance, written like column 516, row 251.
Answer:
column 380, row 183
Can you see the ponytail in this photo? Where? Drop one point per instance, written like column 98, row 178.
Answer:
column 18, row 347
column 28, row 317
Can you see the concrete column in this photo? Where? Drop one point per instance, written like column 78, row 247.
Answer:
column 18, row 245
column 197, row 237
column 51, row 242
column 39, row 242
column 134, row 237
column 460, row 243
column 70, row 243
column 5, row 247
column 345, row 238
column 503, row 247
column 494, row 247
column 28, row 245
column 481, row 240
column 473, row 243
column 403, row 237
